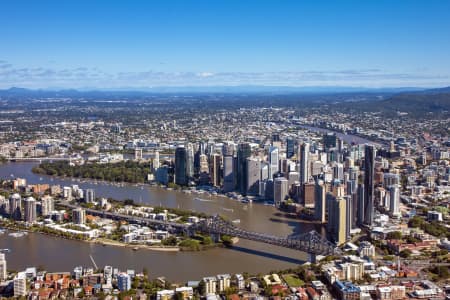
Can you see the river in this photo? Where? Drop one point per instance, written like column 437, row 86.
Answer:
column 348, row 138
column 63, row 255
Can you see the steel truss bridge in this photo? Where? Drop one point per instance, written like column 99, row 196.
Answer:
column 311, row 242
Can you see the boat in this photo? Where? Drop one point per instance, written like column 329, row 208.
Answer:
column 203, row 200
column 6, row 250
column 135, row 249
column 237, row 221
column 17, row 234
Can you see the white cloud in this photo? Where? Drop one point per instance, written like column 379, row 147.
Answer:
column 41, row 77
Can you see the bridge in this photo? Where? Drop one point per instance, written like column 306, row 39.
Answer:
column 311, row 242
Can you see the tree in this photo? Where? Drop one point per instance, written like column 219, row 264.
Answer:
column 394, row 235
column 405, row 253
column 201, row 288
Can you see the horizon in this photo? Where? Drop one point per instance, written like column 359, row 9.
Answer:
column 99, row 45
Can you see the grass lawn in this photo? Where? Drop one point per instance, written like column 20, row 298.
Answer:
column 292, row 280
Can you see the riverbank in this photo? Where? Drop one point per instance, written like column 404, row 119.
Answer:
column 44, row 168
column 246, row 256
column 107, row 242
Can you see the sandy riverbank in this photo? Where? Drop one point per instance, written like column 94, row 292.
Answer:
column 105, row 242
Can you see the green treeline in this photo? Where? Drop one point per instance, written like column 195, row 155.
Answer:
column 125, row 171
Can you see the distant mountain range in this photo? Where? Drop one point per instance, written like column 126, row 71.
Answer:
column 416, row 103
column 248, row 89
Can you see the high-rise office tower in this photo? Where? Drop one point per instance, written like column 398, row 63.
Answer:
column 3, row 268
column 156, row 163
column 265, row 174
column 244, row 152
column 329, row 141
column 293, row 177
column 340, row 145
column 273, row 161
column 228, row 173
column 320, row 205
column 390, row 179
column 215, row 169
column 89, row 196
column 276, row 141
column 304, row 163
column 361, row 204
column 204, row 167
column 79, row 216
column 197, row 155
column 394, row 206
column 290, row 147
column 369, row 171
column 15, row 207
column 253, row 176
column 337, row 219
column 309, row 194
column 189, row 161
column 280, row 190
column 181, row 177
column 348, row 215
column 338, row 171
column 30, row 210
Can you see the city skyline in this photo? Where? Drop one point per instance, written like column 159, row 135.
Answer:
column 226, row 43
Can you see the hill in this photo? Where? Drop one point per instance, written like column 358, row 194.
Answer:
column 428, row 103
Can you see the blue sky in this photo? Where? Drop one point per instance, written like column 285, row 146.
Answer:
column 122, row 44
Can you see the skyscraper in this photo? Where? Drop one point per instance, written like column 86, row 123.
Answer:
column 369, row 170
column 273, row 161
column 244, row 152
column 304, row 163
column 215, row 169
column 180, row 166
column 253, row 175
column 280, row 190
column 156, row 163
column 320, row 206
column 337, row 219
column 394, row 205
column 15, row 207
column 290, row 147
column 361, row 204
column 30, row 210
column 47, row 205
column 189, row 161
column 228, row 173
column 329, row 141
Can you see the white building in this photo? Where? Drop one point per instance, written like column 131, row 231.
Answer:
column 223, row 282
column 3, row 267
column 20, row 284
column 47, row 205
column 210, row 285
